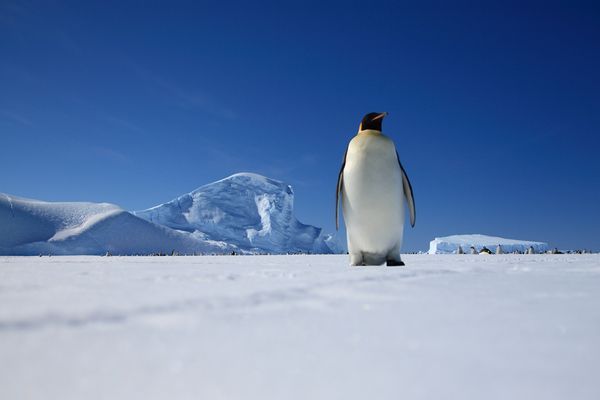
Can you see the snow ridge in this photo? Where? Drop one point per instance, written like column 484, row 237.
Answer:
column 30, row 227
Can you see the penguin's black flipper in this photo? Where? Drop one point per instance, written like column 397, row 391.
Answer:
column 408, row 193
column 338, row 191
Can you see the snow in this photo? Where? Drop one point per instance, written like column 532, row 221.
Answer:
column 449, row 244
column 31, row 227
column 26, row 220
column 297, row 327
column 245, row 213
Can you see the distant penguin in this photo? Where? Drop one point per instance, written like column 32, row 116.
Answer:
column 372, row 185
column 499, row 250
column 530, row 250
column 473, row 250
column 460, row 250
column 485, row 250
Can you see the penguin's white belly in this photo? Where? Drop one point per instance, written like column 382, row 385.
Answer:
column 372, row 196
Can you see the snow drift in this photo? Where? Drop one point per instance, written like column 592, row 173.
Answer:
column 450, row 244
column 29, row 227
column 249, row 211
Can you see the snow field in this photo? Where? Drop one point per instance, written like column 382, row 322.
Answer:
column 297, row 327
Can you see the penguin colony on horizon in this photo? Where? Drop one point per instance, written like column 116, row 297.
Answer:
column 372, row 184
column 500, row 250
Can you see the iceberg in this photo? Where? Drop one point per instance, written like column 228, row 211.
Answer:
column 451, row 244
column 244, row 213
column 250, row 211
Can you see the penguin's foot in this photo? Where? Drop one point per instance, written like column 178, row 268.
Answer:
column 356, row 259
column 394, row 263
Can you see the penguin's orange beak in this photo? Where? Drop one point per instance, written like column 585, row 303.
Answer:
column 383, row 114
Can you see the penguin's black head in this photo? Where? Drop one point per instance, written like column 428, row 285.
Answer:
column 372, row 121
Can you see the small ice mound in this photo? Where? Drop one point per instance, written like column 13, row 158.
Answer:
column 476, row 243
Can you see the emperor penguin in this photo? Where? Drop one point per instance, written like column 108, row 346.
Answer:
column 372, row 185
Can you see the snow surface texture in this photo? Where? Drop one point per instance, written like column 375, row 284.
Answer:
column 242, row 213
column 300, row 327
column 247, row 210
column 449, row 244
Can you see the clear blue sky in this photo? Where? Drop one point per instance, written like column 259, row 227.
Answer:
column 495, row 109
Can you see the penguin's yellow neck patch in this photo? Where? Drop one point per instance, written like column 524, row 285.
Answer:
column 369, row 132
